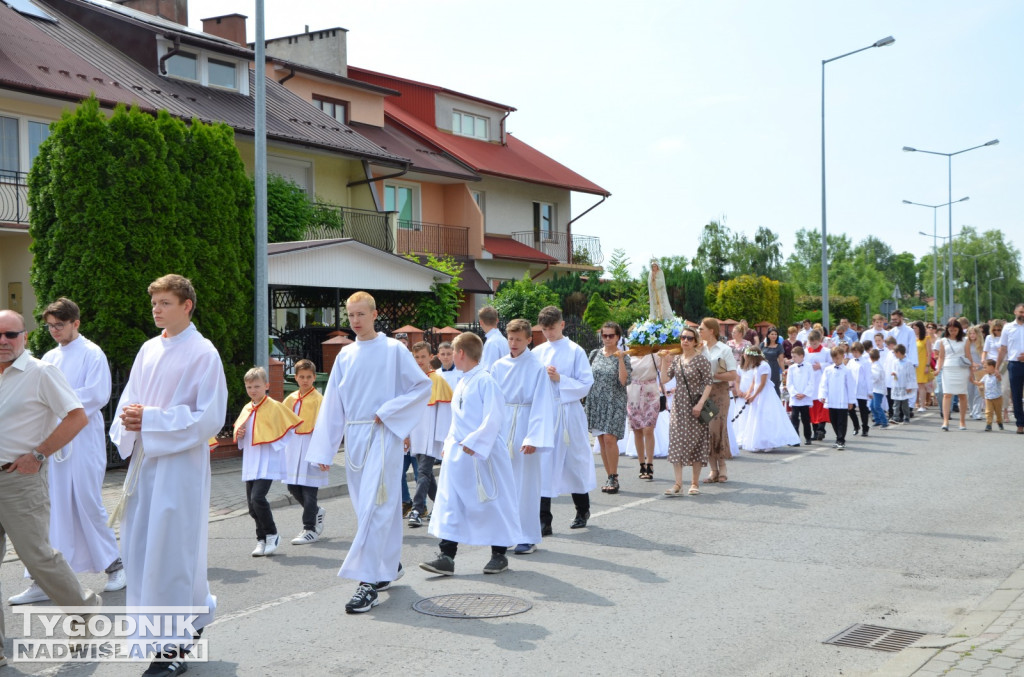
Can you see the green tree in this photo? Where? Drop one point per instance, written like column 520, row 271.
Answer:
column 289, row 211
column 441, row 309
column 714, row 252
column 597, row 312
column 523, row 299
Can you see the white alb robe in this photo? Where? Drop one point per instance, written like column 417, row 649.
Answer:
column 264, row 461
column 570, row 468
column 495, row 348
column 476, row 500
column 378, row 377
column 78, row 520
column 529, row 420
column 297, row 468
column 180, row 382
column 428, row 436
column 453, row 376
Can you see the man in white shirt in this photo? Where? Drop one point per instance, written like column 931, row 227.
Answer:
column 867, row 337
column 906, row 337
column 495, row 345
column 78, row 520
column 802, row 335
column 33, row 396
column 1011, row 351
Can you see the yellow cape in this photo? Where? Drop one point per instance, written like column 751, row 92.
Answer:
column 440, row 391
column 309, row 409
column 271, row 420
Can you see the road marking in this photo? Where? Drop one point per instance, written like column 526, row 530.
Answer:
column 626, row 506
column 262, row 607
column 803, row 454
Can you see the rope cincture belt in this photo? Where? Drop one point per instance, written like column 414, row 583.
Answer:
column 131, row 482
column 382, row 492
column 512, row 431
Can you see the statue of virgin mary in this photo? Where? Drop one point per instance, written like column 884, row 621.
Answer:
column 661, row 309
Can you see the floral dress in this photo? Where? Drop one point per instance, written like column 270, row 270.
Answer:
column 688, row 438
column 643, row 394
column 606, row 401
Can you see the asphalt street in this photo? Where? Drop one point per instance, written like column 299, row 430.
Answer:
column 908, row 528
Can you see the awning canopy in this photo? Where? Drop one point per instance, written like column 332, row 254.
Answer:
column 345, row 263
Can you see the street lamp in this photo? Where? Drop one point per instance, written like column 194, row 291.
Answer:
column 949, row 160
column 935, row 251
column 977, row 310
column 824, row 231
column 946, row 301
column 991, row 306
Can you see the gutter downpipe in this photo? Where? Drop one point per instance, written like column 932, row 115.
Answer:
column 171, row 52
column 291, row 74
column 547, row 266
column 568, row 226
column 505, row 117
column 360, row 182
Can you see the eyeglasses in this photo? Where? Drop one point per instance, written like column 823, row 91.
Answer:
column 611, row 336
column 686, row 338
column 57, row 326
column 12, row 334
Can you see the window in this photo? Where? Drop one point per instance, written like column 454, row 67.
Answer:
column 336, row 108
column 8, row 147
column 465, row 124
column 37, row 133
column 478, row 198
column 543, row 221
column 19, row 144
column 221, row 73
column 183, row 65
column 402, row 199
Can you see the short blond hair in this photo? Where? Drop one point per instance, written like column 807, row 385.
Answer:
column 361, row 297
column 256, row 374
column 470, row 344
column 175, row 284
column 519, row 325
column 488, row 315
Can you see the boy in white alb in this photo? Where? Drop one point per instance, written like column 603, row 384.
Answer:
column 838, row 393
column 802, row 393
column 446, row 356
column 78, row 520
column 263, row 430
column 495, row 346
column 174, row 402
column 570, row 467
column 889, row 361
column 427, row 439
column 303, row 478
column 529, row 430
column 904, row 380
column 476, row 494
column 817, row 359
column 860, row 365
column 878, row 389
column 374, row 398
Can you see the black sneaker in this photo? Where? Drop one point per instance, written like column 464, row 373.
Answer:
column 864, row 433
column 167, row 664
column 363, row 600
column 443, row 565
column 497, row 564
column 381, row 586
column 988, row 428
column 580, row 521
column 545, row 530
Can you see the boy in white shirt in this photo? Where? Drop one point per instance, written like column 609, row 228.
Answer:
column 991, row 385
column 861, row 369
column 889, row 361
column 800, row 385
column 904, row 379
column 838, row 393
column 877, row 371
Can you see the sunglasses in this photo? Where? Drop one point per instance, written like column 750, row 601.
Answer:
column 11, row 334
column 687, row 338
column 609, row 336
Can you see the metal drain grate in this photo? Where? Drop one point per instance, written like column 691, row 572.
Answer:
column 472, row 606
column 875, row 637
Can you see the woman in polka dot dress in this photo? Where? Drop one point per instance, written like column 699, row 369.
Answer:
column 688, row 438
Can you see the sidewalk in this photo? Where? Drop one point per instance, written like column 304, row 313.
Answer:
column 986, row 642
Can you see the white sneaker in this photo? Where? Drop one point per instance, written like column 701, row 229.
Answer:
column 320, row 520
column 33, row 594
column 116, row 580
column 272, row 543
column 261, row 549
column 305, row 538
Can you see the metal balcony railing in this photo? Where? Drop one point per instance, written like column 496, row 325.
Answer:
column 566, row 247
column 13, row 197
column 366, row 226
column 417, row 237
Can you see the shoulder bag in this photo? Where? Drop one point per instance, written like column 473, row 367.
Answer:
column 709, row 410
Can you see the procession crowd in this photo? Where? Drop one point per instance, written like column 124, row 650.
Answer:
column 512, row 428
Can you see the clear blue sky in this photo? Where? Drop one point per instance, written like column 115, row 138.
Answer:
column 690, row 111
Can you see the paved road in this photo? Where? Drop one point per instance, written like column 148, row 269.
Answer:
column 911, row 529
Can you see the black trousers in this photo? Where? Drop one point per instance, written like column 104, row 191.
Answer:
column 798, row 415
column 888, row 397
column 864, row 424
column 306, row 497
column 451, row 548
column 581, row 501
column 838, row 418
column 259, row 507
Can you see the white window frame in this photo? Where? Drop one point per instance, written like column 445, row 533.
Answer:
column 277, row 163
column 321, row 101
column 24, row 161
column 552, row 233
column 416, row 213
column 203, row 66
column 458, row 115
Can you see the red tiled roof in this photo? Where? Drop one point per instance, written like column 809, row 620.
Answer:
column 507, row 248
column 514, row 160
column 380, row 79
column 424, row 158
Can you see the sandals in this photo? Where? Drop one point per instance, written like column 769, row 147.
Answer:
column 674, row 491
column 611, row 485
column 646, row 471
column 711, row 479
column 693, row 490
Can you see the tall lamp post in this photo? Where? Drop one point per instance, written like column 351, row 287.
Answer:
column 824, row 231
column 949, row 170
column 991, row 307
column 947, row 300
column 935, row 251
column 977, row 309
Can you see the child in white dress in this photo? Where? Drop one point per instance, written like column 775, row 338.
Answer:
column 764, row 424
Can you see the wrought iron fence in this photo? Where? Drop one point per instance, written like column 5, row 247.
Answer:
column 13, row 197
column 366, row 226
column 418, row 237
column 566, row 247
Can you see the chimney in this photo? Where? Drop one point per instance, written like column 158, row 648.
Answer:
column 325, row 49
column 172, row 10
column 230, row 27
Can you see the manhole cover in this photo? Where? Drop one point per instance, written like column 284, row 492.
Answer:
column 472, row 606
column 875, row 637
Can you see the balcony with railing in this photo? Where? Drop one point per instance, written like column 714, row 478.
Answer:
column 418, row 237
column 569, row 248
column 13, row 197
column 382, row 230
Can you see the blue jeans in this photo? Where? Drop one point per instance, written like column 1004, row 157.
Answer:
column 426, row 483
column 409, row 460
column 877, row 412
column 1015, row 372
